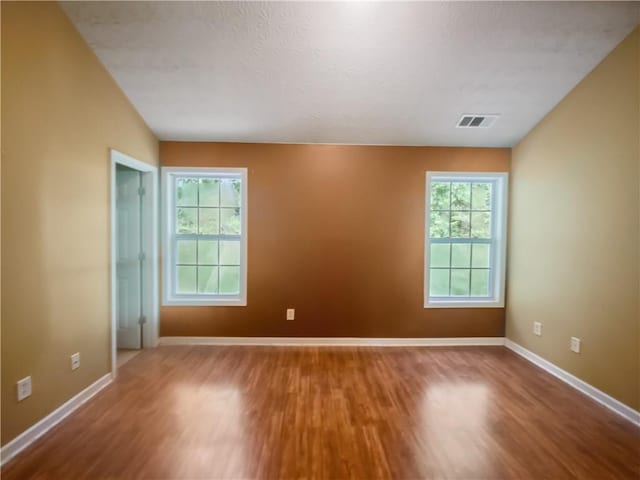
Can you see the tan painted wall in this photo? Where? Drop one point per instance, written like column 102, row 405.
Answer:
column 574, row 229
column 61, row 111
column 336, row 232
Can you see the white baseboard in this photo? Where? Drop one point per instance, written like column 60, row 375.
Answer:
column 334, row 341
column 34, row 432
column 580, row 385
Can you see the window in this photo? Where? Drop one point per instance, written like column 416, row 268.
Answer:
column 205, row 236
column 465, row 239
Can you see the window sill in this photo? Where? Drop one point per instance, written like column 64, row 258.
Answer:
column 204, row 302
column 463, row 304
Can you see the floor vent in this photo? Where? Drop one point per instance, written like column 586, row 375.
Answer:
column 476, row 120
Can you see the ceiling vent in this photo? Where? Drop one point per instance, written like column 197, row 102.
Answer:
column 476, row 120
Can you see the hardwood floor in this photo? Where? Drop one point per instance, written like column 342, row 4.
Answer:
column 207, row 412
column 123, row 355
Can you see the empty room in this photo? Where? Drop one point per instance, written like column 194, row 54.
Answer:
column 320, row 240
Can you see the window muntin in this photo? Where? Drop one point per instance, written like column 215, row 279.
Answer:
column 206, row 236
column 464, row 240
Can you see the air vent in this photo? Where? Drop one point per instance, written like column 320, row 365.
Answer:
column 476, row 120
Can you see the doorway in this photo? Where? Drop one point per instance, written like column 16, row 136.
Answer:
column 134, row 271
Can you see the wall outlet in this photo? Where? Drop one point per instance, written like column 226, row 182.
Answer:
column 537, row 328
column 24, row 388
column 291, row 314
column 575, row 344
column 75, row 361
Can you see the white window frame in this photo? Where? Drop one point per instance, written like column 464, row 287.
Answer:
column 169, row 296
column 497, row 264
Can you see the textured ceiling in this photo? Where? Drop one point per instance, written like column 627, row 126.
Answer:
column 352, row 72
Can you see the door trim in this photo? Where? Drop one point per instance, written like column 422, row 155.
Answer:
column 151, row 233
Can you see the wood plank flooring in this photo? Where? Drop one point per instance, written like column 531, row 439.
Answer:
column 123, row 355
column 207, row 412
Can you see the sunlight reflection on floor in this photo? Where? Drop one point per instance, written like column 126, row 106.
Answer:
column 454, row 421
column 211, row 418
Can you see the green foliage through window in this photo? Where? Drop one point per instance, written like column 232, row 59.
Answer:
column 208, row 212
column 459, row 218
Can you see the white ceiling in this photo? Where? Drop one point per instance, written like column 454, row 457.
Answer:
column 353, row 72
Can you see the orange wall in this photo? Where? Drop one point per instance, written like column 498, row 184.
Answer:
column 337, row 233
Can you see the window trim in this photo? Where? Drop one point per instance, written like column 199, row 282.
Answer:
column 499, row 225
column 169, row 297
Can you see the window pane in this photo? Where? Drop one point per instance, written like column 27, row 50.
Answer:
column 480, row 258
column 208, row 252
column 480, row 282
column 207, row 279
column 206, row 228
column 460, row 196
column 460, row 226
column 439, row 256
column 187, row 192
column 229, row 280
column 460, row 282
column 230, row 221
column 481, row 224
column 481, row 196
column 186, row 220
column 209, row 192
column 439, row 196
column 230, row 252
column 439, row 225
column 186, row 251
column 439, row 282
column 186, row 279
column 209, row 221
column 461, row 255
column 229, row 193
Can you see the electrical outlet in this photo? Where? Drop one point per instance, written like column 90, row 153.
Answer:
column 291, row 314
column 75, row 361
column 24, row 388
column 575, row 344
column 537, row 328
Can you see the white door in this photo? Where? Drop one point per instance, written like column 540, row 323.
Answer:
column 129, row 257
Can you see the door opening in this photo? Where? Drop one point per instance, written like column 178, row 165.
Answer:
column 130, row 256
column 134, row 282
